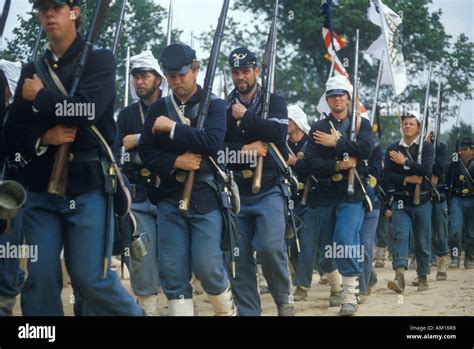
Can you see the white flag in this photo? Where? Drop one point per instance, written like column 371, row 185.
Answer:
column 389, row 41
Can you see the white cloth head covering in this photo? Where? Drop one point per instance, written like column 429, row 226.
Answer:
column 146, row 60
column 300, row 118
column 339, row 82
column 12, row 71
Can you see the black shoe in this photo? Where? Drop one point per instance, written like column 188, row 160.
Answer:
column 348, row 309
column 286, row 310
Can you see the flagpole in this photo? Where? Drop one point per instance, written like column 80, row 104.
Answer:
column 377, row 88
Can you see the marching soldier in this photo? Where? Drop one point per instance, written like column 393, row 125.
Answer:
column 261, row 221
column 148, row 82
column 35, row 129
column 460, row 176
column 329, row 158
column 11, row 275
column 402, row 173
column 440, row 233
column 371, row 219
column 170, row 145
column 298, row 129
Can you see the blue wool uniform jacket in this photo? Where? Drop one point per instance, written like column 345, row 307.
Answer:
column 440, row 163
column 395, row 174
column 130, row 122
column 159, row 153
column 321, row 160
column 253, row 128
column 25, row 127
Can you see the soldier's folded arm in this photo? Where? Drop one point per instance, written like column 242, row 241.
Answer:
column 427, row 161
column 392, row 178
column 158, row 161
column 208, row 141
column 272, row 130
column 96, row 87
column 362, row 147
column 319, row 166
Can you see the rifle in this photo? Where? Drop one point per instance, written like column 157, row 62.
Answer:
column 350, row 184
column 438, row 119
column 3, row 18
column 170, row 24
column 119, row 27
column 205, row 99
column 451, row 182
column 58, row 180
column 39, row 36
column 421, row 139
column 268, row 71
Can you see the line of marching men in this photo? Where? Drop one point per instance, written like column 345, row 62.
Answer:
column 161, row 144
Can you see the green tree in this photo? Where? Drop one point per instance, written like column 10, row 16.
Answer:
column 144, row 28
column 457, row 133
column 302, row 69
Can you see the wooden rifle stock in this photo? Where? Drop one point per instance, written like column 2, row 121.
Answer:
column 257, row 178
column 307, row 187
column 58, row 180
column 188, row 189
column 417, row 195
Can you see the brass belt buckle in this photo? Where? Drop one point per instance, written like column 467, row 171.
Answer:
column 145, row 172
column 337, row 177
column 465, row 191
column 372, row 181
column 181, row 176
column 246, row 174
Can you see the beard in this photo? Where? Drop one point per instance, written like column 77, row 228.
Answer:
column 148, row 93
column 248, row 89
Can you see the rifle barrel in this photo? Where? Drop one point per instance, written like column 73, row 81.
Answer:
column 417, row 195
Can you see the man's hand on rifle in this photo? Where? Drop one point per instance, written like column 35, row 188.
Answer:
column 162, row 124
column 397, row 157
column 414, row 179
column 291, row 160
column 351, row 162
column 326, row 139
column 130, row 141
column 58, row 135
column 258, row 147
column 434, row 180
column 188, row 162
column 31, row 87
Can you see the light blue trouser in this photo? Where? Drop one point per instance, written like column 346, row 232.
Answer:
column 190, row 242
column 367, row 237
column 261, row 228
column 144, row 273
column 418, row 219
column 78, row 224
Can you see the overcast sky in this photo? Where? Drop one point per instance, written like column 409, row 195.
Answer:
column 198, row 16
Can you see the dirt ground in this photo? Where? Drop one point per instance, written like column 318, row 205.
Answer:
column 454, row 297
